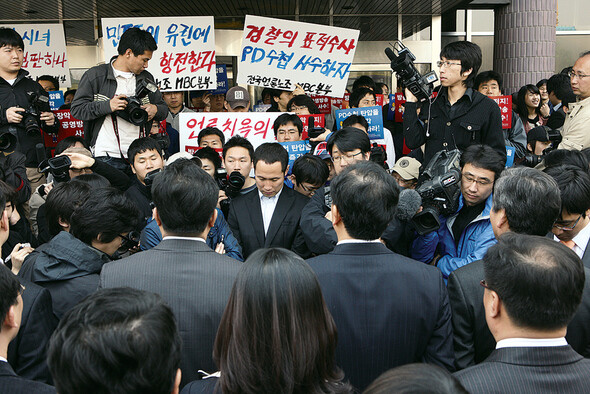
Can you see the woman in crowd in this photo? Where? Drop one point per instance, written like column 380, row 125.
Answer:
column 528, row 104
column 276, row 334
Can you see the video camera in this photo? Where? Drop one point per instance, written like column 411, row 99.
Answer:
column 231, row 184
column 133, row 112
column 532, row 160
column 58, row 166
column 402, row 63
column 440, row 189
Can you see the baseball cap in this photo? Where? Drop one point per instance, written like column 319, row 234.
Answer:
column 237, row 97
column 407, row 167
column 539, row 133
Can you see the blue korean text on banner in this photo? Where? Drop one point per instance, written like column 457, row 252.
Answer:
column 391, row 108
column 295, row 149
column 222, row 84
column 371, row 114
column 56, row 99
column 261, row 108
column 510, row 151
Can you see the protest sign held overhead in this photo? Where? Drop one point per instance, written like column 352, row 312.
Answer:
column 371, row 114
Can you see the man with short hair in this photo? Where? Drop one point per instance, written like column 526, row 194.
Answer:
column 287, row 128
column 212, row 137
column 279, row 100
column 214, row 102
column 49, row 83
column 102, row 95
column 175, row 102
column 558, row 87
column 533, row 287
column 309, row 174
column 538, row 140
column 193, row 279
column 364, row 284
column 575, row 128
column 238, row 155
column 269, row 216
column 117, row 340
column 237, row 99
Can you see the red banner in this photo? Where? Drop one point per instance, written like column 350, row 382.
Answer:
column 318, row 121
column 399, row 111
column 68, row 126
column 505, row 104
column 323, row 103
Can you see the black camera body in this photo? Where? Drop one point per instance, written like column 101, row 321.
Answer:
column 532, row 160
column 231, row 184
column 32, row 114
column 133, row 113
column 440, row 189
column 149, row 177
column 402, row 63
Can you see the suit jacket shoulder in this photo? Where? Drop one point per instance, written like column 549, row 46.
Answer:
column 11, row 383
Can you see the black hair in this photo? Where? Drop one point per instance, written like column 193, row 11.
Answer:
column 10, row 288
column 51, row 79
column 521, row 106
column 88, row 222
column 185, row 196
column 468, row 53
column 486, row 76
column 354, row 119
column 61, row 203
column 311, row 169
column 348, row 139
column 484, row 156
column 137, row 40
column 119, row 340
column 541, row 83
column 70, row 91
column 68, row 142
column 358, row 94
column 539, row 281
column 283, row 119
column 569, row 97
column 574, row 185
column 211, row 131
column 366, row 197
column 272, row 152
column 530, row 200
column 141, row 145
column 241, row 142
column 209, row 154
column 276, row 93
column 10, row 37
column 93, row 180
column 379, row 87
column 9, row 193
column 364, row 81
column 560, row 85
column 560, row 157
column 302, row 100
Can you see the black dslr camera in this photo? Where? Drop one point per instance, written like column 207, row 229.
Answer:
column 231, row 184
column 7, row 138
column 402, row 63
column 32, row 115
column 440, row 189
column 532, row 160
column 133, row 112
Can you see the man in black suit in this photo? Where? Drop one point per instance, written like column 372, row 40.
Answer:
column 193, row 279
column 269, row 215
column 520, row 194
column 389, row 310
column 533, row 287
column 558, row 88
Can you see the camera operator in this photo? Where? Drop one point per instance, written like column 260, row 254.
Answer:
column 16, row 90
column 458, row 116
column 465, row 236
column 105, row 91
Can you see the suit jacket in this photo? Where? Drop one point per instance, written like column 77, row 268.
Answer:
column 245, row 221
column 27, row 353
column 194, row 281
column 11, row 383
column 389, row 310
column 529, row 370
column 474, row 341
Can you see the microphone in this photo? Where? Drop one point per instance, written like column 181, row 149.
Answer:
column 390, row 54
column 409, row 203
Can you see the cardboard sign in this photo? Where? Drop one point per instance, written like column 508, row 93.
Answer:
column 279, row 54
column 68, row 126
column 505, row 104
column 295, row 150
column 324, row 104
column 371, row 114
column 399, row 109
column 318, row 121
column 185, row 58
column 222, row 84
column 56, row 100
column 45, row 51
column 255, row 126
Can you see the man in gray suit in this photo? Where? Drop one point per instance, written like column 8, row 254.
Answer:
column 193, row 279
column 533, row 287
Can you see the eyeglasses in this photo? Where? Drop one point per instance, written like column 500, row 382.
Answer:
column 446, row 64
column 289, row 132
column 129, row 241
column 480, row 182
column 297, row 108
column 346, row 158
column 573, row 75
column 483, row 283
column 565, row 228
column 310, row 190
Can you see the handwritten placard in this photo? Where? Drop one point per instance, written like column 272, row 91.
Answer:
column 278, row 53
column 371, row 114
column 505, row 104
column 185, row 58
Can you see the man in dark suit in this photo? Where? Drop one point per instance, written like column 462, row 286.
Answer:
column 389, row 310
column 269, row 215
column 558, row 88
column 533, row 287
column 519, row 195
column 193, row 279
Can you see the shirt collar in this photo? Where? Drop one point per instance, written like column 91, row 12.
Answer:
column 122, row 74
column 531, row 342
column 468, row 93
column 357, row 241
column 276, row 196
column 184, row 238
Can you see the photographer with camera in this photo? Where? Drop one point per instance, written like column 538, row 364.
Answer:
column 466, row 235
column 458, row 116
column 111, row 99
column 540, row 141
column 24, row 109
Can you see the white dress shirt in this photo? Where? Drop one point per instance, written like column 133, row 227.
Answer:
column 186, row 238
column 531, row 342
column 580, row 240
column 267, row 206
column 357, row 241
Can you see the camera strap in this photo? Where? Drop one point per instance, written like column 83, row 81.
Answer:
column 116, row 130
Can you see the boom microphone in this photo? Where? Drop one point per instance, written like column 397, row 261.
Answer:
column 409, row 203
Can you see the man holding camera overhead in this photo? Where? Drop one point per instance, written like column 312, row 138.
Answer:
column 110, row 98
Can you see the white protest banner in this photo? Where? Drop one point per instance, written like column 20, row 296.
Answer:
column 185, row 58
column 278, row 54
column 255, row 126
column 45, row 51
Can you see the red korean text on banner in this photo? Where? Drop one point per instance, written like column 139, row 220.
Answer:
column 68, row 126
column 324, row 103
column 505, row 104
column 379, row 100
column 399, row 110
column 345, row 101
column 318, row 121
column 337, row 102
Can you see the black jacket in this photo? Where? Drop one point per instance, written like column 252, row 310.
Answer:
column 141, row 196
column 67, row 267
column 476, row 121
column 11, row 383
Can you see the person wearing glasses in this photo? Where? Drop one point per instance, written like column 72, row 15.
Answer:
column 575, row 128
column 465, row 236
column 287, row 128
column 459, row 115
column 309, row 174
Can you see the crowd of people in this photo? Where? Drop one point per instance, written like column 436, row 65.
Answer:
column 130, row 266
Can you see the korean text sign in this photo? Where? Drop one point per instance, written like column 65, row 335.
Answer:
column 255, row 126
column 68, row 126
column 505, row 104
column 371, row 114
column 185, row 58
column 295, row 149
column 278, row 53
column 45, row 51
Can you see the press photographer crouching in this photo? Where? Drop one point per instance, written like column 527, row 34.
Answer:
column 540, row 141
